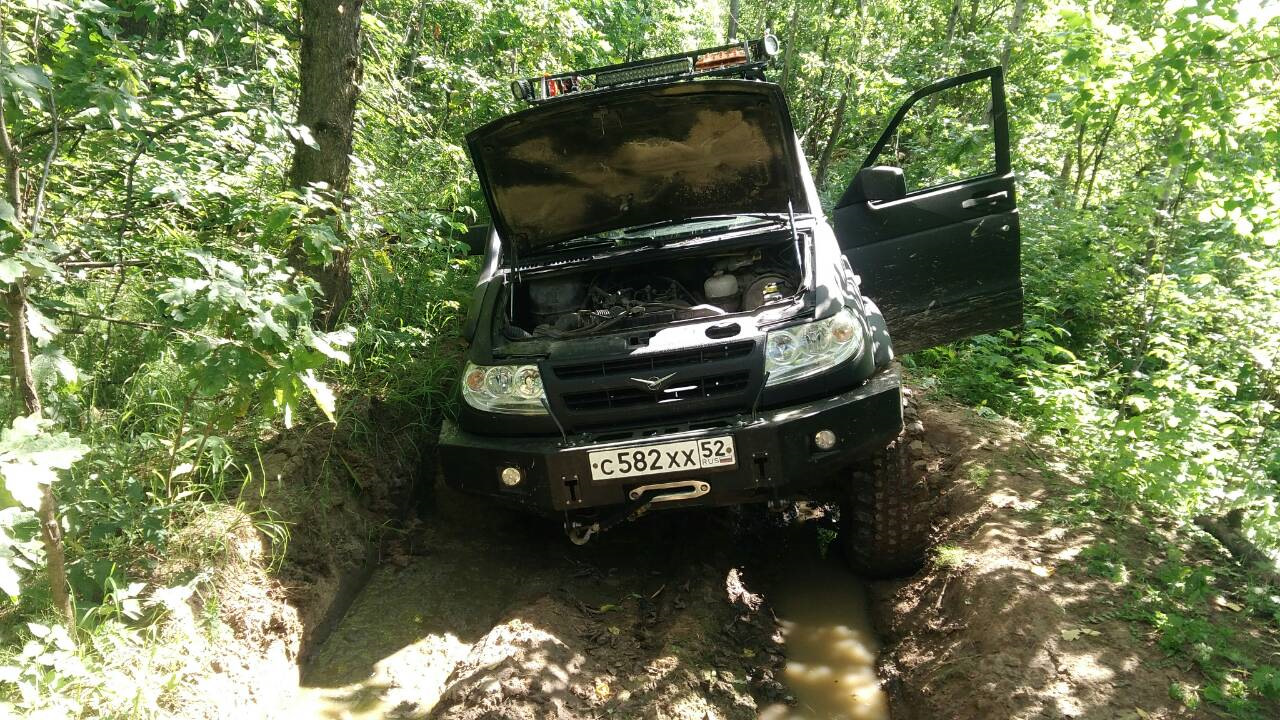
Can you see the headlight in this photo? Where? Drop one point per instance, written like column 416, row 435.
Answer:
column 512, row 389
column 803, row 350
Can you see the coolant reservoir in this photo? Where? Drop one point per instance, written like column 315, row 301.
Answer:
column 721, row 290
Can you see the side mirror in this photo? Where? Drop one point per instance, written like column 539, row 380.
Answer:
column 878, row 182
column 476, row 239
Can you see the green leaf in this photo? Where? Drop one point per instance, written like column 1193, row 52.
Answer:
column 33, row 76
column 302, row 134
column 325, row 344
column 42, row 328
column 53, row 365
column 29, row 456
column 320, row 242
column 321, row 392
column 11, row 270
column 8, row 575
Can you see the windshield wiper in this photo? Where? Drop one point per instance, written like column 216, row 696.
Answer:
column 594, row 241
column 627, row 238
column 589, row 241
column 701, row 218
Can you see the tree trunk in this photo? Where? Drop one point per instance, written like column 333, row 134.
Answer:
column 1015, row 26
column 1064, row 178
column 820, row 111
column 952, row 19
column 1080, row 161
column 330, row 71
column 15, row 297
column 50, row 529
column 733, row 20
column 824, row 162
column 1097, row 155
column 789, row 51
column 1228, row 529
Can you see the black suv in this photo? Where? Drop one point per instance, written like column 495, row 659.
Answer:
column 666, row 318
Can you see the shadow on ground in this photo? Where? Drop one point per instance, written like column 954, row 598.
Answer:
column 483, row 612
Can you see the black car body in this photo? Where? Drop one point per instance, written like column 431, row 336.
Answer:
column 667, row 318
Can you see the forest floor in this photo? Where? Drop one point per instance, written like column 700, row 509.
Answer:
column 1029, row 607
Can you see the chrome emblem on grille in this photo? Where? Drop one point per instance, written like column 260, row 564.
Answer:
column 653, row 384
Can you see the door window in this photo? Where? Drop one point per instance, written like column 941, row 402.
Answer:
column 944, row 137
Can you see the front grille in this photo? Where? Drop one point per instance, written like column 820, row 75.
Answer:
column 697, row 383
column 657, row 361
column 629, row 397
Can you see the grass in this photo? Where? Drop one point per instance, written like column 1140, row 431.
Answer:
column 950, row 557
column 979, row 475
column 1183, row 593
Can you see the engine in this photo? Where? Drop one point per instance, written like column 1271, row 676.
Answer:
column 635, row 296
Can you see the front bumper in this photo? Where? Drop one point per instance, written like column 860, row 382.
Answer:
column 776, row 454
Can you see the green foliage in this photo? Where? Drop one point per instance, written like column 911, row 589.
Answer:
column 30, row 458
column 246, row 332
column 172, row 327
column 1104, row 561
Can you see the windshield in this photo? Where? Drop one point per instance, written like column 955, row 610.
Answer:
column 628, row 159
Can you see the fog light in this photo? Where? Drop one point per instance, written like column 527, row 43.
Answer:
column 511, row 476
column 824, row 439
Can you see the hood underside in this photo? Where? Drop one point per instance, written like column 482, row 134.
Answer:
column 601, row 162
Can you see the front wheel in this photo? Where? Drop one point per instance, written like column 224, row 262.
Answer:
column 887, row 511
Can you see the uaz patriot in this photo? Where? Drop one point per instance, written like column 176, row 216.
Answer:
column 666, row 317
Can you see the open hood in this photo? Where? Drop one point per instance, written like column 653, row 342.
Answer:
column 602, row 161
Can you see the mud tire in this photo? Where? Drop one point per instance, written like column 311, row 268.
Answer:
column 887, row 515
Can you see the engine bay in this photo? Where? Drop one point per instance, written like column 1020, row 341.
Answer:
column 612, row 299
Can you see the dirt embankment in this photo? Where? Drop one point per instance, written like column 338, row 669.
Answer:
column 259, row 583
column 1007, row 620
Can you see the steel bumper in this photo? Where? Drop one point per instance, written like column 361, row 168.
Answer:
column 776, row 454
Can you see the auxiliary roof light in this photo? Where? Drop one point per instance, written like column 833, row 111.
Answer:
column 746, row 59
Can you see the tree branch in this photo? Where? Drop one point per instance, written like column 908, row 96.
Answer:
column 96, row 265
column 103, row 318
column 12, row 185
column 1255, row 61
column 37, row 209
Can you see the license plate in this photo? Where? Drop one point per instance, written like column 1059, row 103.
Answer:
column 661, row 458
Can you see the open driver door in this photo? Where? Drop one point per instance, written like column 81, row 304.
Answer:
column 930, row 221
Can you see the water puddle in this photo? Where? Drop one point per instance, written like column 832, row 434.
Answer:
column 830, row 645
column 340, row 704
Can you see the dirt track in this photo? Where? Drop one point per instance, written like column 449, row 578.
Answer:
column 484, row 613
column 480, row 612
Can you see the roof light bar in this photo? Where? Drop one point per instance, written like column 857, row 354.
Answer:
column 746, row 59
column 667, row 68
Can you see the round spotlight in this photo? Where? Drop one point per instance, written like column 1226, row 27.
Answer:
column 824, row 439
column 512, row 476
column 770, row 45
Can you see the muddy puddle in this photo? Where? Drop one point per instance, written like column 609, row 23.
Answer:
column 829, row 643
column 491, row 614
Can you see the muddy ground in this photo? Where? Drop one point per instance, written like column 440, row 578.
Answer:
column 479, row 612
